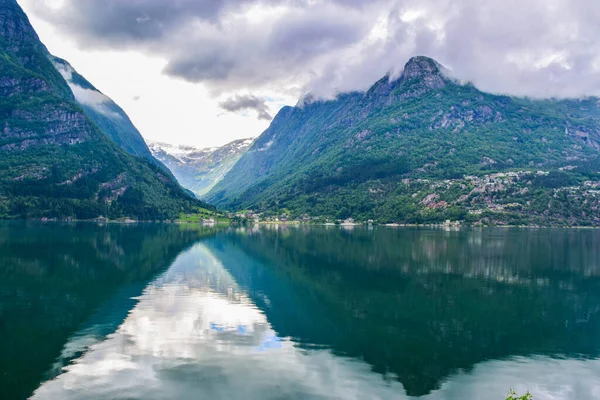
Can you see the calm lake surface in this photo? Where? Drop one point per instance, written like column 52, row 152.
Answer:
column 181, row 312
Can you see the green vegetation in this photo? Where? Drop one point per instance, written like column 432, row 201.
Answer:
column 349, row 157
column 56, row 161
column 203, row 215
column 512, row 395
column 86, row 181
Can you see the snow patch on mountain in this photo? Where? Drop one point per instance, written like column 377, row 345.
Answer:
column 199, row 169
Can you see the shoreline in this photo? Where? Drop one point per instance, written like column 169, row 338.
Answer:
column 298, row 223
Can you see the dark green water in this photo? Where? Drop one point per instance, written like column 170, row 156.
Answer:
column 169, row 312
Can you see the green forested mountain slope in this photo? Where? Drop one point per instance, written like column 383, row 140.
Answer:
column 424, row 148
column 54, row 160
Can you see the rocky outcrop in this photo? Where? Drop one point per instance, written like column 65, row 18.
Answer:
column 428, row 72
column 43, row 126
column 10, row 86
column 16, row 30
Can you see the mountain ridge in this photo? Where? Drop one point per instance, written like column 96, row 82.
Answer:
column 199, row 169
column 328, row 155
column 56, row 162
column 105, row 113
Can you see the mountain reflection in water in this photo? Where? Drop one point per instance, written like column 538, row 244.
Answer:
column 303, row 313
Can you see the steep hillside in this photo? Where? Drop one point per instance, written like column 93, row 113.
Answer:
column 199, row 170
column 105, row 113
column 54, row 160
column 425, row 148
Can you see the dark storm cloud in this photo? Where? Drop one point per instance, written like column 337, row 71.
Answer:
column 535, row 47
column 121, row 22
column 226, row 44
column 247, row 102
column 284, row 50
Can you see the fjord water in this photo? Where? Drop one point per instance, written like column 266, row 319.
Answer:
column 184, row 312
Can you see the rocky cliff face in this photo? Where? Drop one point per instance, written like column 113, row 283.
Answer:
column 59, row 125
column 15, row 28
column 55, row 161
column 199, row 170
column 350, row 156
column 35, row 108
column 20, row 41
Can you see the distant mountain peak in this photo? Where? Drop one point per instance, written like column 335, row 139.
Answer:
column 356, row 156
column 10, row 3
column 200, row 169
column 419, row 66
column 15, row 28
column 426, row 71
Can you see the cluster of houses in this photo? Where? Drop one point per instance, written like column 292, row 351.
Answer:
column 257, row 218
column 478, row 194
column 499, row 182
column 285, row 218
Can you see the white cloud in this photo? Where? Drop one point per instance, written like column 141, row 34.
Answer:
column 536, row 48
column 197, row 53
column 163, row 108
column 195, row 330
column 89, row 97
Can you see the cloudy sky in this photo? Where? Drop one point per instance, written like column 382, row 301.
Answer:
column 205, row 72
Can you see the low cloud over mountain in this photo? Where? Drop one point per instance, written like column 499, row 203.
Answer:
column 293, row 46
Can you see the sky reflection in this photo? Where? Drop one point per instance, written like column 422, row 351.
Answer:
column 195, row 334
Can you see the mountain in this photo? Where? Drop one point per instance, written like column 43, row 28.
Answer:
column 56, row 160
column 199, row 170
column 104, row 112
column 425, row 148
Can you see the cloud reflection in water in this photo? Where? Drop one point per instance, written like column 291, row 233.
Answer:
column 195, row 334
